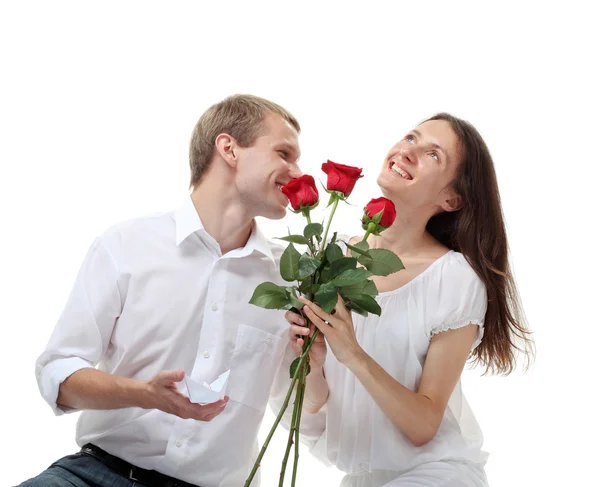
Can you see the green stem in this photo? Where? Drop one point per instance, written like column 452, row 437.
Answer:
column 300, row 394
column 324, row 242
column 371, row 227
column 290, row 439
column 284, row 406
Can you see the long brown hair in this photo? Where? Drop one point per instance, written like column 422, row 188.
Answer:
column 477, row 231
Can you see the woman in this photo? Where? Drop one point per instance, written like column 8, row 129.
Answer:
column 396, row 415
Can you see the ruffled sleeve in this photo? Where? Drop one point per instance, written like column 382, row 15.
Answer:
column 456, row 298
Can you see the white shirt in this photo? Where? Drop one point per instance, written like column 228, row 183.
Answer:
column 357, row 436
column 156, row 294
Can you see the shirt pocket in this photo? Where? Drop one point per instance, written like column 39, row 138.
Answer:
column 256, row 358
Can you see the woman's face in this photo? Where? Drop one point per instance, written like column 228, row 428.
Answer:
column 419, row 170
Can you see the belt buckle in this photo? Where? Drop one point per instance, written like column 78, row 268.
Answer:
column 131, row 476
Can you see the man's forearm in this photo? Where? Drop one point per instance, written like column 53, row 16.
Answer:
column 93, row 389
column 316, row 392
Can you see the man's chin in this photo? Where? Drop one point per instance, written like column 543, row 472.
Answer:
column 273, row 213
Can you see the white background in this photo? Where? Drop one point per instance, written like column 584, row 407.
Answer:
column 98, row 100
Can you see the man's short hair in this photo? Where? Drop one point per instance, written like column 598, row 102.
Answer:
column 242, row 117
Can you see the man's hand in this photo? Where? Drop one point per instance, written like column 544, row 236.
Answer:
column 161, row 393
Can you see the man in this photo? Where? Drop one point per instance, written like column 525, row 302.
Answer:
column 165, row 296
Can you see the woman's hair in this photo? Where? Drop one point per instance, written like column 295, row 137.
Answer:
column 477, row 231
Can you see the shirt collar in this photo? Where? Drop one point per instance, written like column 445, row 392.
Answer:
column 187, row 222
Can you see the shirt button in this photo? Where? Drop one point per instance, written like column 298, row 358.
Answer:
column 214, row 307
column 206, row 354
column 268, row 341
column 178, row 443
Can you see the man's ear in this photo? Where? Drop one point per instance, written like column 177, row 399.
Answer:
column 226, row 147
column 452, row 201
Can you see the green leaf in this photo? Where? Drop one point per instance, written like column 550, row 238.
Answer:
column 370, row 288
column 367, row 303
column 325, row 274
column 326, row 297
column 381, row 262
column 293, row 298
column 356, row 308
column 360, row 248
column 341, row 265
column 297, row 239
column 365, row 287
column 294, row 365
column 307, row 266
column 270, row 296
column 333, row 252
column 289, row 263
column 313, row 230
column 351, row 276
column 305, row 286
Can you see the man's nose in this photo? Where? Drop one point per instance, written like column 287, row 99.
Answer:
column 295, row 171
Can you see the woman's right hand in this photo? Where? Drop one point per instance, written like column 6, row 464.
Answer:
column 318, row 350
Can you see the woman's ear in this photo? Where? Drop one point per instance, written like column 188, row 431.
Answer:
column 452, row 202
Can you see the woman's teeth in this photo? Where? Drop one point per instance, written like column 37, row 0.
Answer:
column 401, row 171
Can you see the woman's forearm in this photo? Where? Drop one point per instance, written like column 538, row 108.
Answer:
column 316, row 392
column 412, row 413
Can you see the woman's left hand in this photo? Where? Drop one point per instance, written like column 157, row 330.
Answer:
column 337, row 328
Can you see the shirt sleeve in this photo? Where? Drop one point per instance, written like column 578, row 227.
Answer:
column 460, row 299
column 312, row 426
column 82, row 333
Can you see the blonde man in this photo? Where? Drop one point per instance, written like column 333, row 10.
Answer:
column 162, row 297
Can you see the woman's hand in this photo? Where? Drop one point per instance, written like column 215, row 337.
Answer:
column 337, row 328
column 318, row 350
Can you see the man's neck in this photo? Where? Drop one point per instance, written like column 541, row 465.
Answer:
column 222, row 215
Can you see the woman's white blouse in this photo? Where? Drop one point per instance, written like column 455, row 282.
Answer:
column 358, row 435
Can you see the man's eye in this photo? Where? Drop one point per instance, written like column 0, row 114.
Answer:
column 410, row 139
column 283, row 154
column 435, row 156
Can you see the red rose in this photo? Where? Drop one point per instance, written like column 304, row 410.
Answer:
column 301, row 192
column 340, row 177
column 375, row 206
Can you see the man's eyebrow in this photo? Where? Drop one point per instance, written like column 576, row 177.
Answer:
column 290, row 148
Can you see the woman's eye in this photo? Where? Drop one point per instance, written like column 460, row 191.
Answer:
column 410, row 139
column 283, row 154
column 435, row 156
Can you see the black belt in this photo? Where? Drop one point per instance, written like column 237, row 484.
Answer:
column 151, row 478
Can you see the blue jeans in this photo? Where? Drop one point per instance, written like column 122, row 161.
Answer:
column 78, row 470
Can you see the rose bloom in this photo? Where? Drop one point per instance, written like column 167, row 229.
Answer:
column 340, row 177
column 301, row 192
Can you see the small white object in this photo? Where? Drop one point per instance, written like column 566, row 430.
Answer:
column 269, row 341
column 178, row 443
column 206, row 393
column 214, row 307
column 206, row 354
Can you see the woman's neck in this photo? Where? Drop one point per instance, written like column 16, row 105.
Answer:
column 407, row 236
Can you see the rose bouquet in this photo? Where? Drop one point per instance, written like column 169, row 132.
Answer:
column 322, row 273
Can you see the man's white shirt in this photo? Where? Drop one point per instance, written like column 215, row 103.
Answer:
column 154, row 294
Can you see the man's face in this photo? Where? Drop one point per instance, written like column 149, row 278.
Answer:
column 268, row 165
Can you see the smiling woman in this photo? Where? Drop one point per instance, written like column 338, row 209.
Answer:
column 396, row 414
